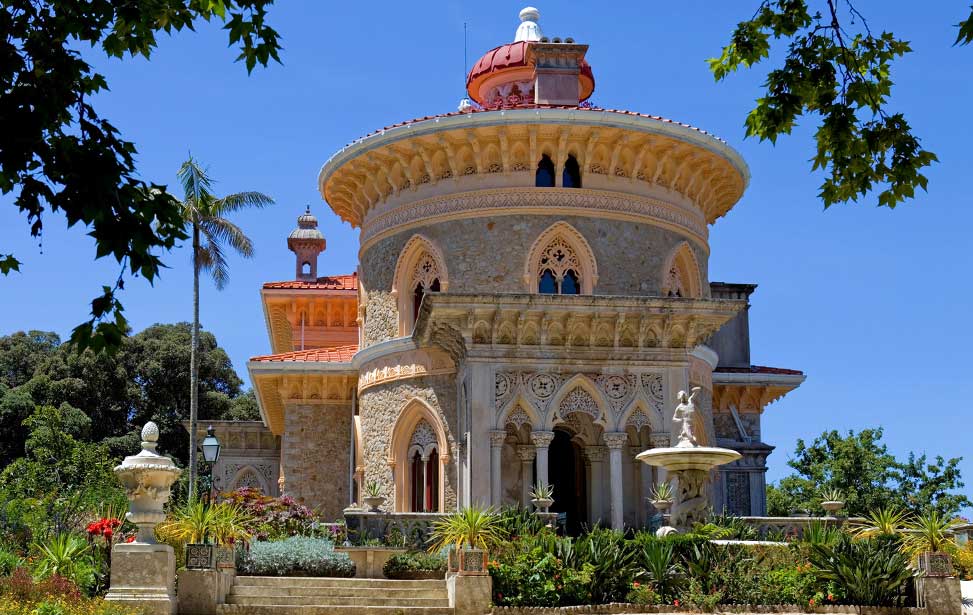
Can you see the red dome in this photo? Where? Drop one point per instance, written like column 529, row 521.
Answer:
column 515, row 59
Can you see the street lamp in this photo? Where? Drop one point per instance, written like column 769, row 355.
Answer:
column 211, row 453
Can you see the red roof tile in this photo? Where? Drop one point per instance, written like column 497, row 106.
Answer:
column 337, row 354
column 760, row 369
column 335, row 282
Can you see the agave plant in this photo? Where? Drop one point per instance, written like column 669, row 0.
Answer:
column 820, row 533
column 929, row 532
column 871, row 572
column 886, row 521
column 373, row 489
column 659, row 565
column 475, row 527
column 661, row 492
column 832, row 495
column 66, row 556
column 542, row 491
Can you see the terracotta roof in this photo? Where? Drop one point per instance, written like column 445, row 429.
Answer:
column 531, row 106
column 337, row 354
column 335, row 282
column 759, row 369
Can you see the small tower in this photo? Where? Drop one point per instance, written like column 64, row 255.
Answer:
column 307, row 242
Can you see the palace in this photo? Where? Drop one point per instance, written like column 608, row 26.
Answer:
column 531, row 295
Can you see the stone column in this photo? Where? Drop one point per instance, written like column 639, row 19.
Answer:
column 615, row 441
column 596, row 458
column 638, row 496
column 497, row 438
column 661, row 440
column 542, row 440
column 527, row 453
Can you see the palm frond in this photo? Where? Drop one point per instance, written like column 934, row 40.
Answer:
column 211, row 259
column 197, row 185
column 240, row 200
column 220, row 230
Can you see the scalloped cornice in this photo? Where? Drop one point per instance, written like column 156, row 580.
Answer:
column 459, row 153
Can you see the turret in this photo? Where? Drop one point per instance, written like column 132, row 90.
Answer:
column 307, row 242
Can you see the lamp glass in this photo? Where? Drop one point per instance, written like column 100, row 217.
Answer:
column 211, row 446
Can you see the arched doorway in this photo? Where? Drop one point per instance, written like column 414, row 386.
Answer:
column 567, row 474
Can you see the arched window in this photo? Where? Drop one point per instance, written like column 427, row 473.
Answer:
column 571, row 178
column 560, row 262
column 306, row 268
column 559, row 269
column 423, row 469
column 419, row 271
column 681, row 276
column 544, row 178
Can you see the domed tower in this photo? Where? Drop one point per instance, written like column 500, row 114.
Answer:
column 532, row 295
column 306, row 242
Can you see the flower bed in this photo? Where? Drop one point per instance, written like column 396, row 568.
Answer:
column 415, row 565
column 22, row 595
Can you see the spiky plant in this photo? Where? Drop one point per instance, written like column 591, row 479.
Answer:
column 885, row 521
column 476, row 527
column 204, row 213
column 929, row 532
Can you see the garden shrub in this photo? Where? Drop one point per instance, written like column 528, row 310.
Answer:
column 402, row 565
column 869, row 572
column 297, row 555
column 276, row 518
column 644, row 594
column 963, row 562
column 532, row 578
column 9, row 561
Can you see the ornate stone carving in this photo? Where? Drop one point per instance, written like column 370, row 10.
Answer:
column 518, row 417
column 400, row 366
column 615, row 440
column 579, row 400
column 638, row 420
column 542, row 438
column 660, row 439
column 595, row 453
column 558, row 258
column 423, row 435
column 497, row 438
column 654, row 387
column 147, row 478
column 526, row 452
column 618, row 389
column 542, row 386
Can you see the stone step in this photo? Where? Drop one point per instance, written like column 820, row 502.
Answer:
column 377, row 599
column 338, row 590
column 324, row 609
column 248, row 581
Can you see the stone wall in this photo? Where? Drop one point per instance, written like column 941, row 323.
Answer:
column 488, row 254
column 381, row 318
column 315, row 455
column 379, row 409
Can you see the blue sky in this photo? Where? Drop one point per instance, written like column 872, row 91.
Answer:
column 872, row 304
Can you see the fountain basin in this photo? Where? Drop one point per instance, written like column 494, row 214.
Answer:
column 678, row 458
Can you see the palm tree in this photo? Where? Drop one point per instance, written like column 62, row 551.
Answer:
column 204, row 212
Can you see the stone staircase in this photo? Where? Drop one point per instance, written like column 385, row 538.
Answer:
column 327, row 596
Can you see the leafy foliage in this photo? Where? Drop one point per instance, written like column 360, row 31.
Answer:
column 473, row 526
column 401, row 565
column 871, row 572
column 843, row 78
column 60, row 156
column 147, row 379
column 270, row 518
column 297, row 554
column 860, row 467
column 66, row 556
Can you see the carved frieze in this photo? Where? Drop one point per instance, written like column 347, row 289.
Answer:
column 426, row 362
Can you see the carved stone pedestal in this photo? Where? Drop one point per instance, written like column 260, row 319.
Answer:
column 144, row 575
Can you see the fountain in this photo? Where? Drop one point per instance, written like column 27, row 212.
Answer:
column 689, row 463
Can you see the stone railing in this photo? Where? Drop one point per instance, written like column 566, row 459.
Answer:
column 792, row 527
column 394, row 529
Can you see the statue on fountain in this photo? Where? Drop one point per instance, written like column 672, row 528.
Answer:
column 685, row 420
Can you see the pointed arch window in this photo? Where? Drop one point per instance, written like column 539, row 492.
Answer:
column 419, row 271
column 571, row 178
column 423, row 469
column 544, row 178
column 559, row 269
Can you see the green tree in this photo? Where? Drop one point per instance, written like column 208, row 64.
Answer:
column 861, row 468
column 61, row 477
column 837, row 70
column 60, row 156
column 204, row 213
column 147, row 379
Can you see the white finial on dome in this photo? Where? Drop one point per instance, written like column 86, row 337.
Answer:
column 528, row 30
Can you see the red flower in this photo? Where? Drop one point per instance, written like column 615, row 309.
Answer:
column 130, row 538
column 635, row 584
column 107, row 534
column 675, row 603
column 811, row 602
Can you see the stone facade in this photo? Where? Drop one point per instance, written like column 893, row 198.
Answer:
column 315, row 454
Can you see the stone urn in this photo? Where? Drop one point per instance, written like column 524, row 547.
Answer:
column 147, row 478
column 832, row 507
column 662, row 506
column 542, row 504
column 372, row 503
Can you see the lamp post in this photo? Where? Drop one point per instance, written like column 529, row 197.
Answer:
column 211, row 453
